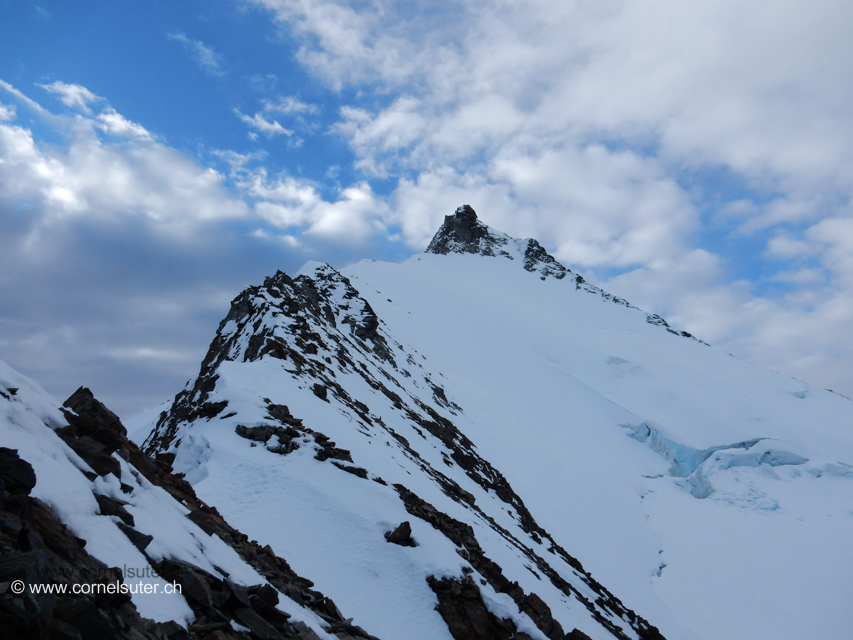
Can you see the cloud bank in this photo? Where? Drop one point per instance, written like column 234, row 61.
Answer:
column 120, row 254
column 694, row 158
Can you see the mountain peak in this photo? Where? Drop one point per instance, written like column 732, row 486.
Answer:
column 462, row 232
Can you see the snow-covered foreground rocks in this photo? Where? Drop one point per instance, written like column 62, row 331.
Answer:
column 568, row 465
column 97, row 540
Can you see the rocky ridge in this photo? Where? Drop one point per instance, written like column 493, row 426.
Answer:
column 463, row 232
column 325, row 337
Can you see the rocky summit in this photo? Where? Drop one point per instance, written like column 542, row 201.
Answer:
column 473, row 444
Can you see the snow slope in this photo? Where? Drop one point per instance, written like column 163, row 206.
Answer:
column 562, row 425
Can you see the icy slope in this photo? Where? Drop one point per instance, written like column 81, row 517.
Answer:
column 514, row 414
column 98, row 502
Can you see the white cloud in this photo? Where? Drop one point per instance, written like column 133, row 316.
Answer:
column 7, row 112
column 262, row 125
column 32, row 104
column 205, row 56
column 622, row 135
column 111, row 258
column 72, row 95
column 759, row 88
column 116, row 124
column 101, row 181
column 118, row 254
column 289, row 105
column 284, row 202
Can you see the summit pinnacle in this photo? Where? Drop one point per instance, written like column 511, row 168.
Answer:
column 461, row 232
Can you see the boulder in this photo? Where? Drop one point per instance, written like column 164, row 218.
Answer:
column 402, row 535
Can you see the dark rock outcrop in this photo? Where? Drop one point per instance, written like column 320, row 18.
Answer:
column 17, row 475
column 461, row 605
column 261, row 315
column 37, row 548
column 402, row 535
column 462, row 232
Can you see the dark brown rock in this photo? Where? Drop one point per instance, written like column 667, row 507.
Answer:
column 112, row 507
column 18, row 475
column 356, row 471
column 140, row 540
column 89, row 417
column 94, row 453
column 461, row 605
column 259, row 627
column 402, row 535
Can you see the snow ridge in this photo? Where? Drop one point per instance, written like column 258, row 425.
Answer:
column 464, row 233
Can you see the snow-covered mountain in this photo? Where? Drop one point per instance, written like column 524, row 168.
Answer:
column 476, row 443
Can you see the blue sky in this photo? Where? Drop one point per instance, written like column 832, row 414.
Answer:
column 182, row 69
column 157, row 157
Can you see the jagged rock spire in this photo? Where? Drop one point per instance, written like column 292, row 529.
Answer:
column 461, row 232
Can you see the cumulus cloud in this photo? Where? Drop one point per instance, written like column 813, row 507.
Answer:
column 109, row 181
column 112, row 254
column 205, row 56
column 758, row 89
column 72, row 95
column 285, row 202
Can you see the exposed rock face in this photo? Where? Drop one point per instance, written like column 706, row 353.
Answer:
column 462, row 232
column 16, row 475
column 281, row 319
